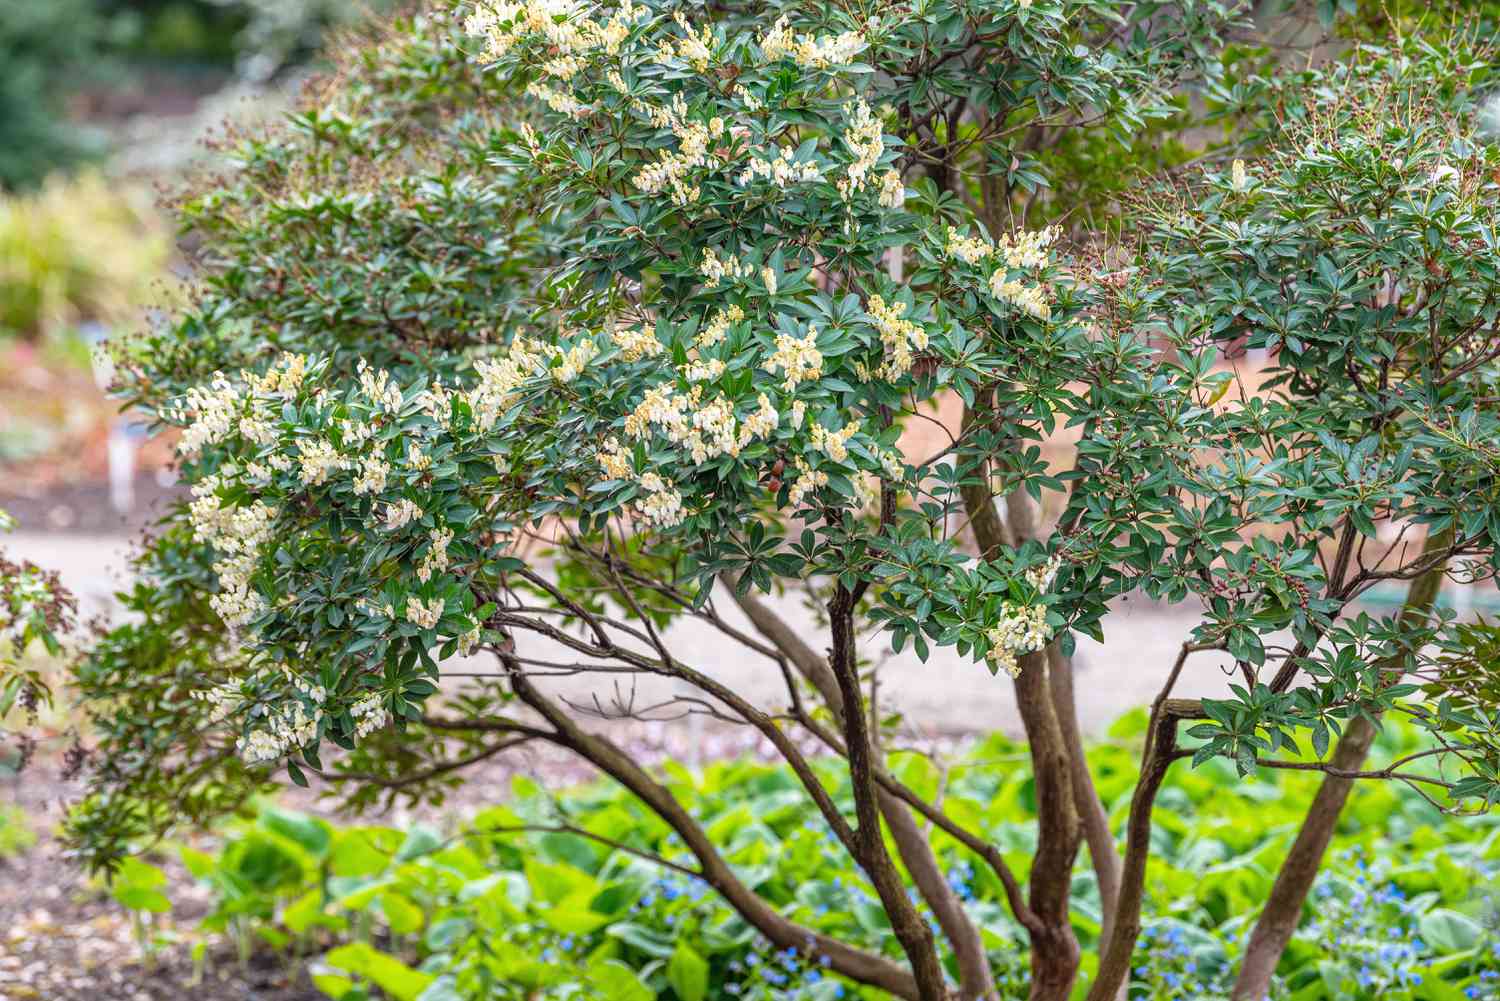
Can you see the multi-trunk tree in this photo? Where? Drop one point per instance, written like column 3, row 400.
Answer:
column 541, row 330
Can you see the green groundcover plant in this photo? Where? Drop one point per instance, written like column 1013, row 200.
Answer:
column 548, row 324
column 520, row 896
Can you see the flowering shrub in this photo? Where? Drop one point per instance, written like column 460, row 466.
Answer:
column 532, row 391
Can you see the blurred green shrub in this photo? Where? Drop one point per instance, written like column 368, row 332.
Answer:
column 16, row 834
column 44, row 46
column 259, row 38
column 75, row 250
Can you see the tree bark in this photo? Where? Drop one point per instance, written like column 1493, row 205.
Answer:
column 1160, row 751
column 976, row 980
column 1104, row 856
column 1278, row 919
column 1054, row 946
column 870, row 851
column 1025, row 523
column 604, row 754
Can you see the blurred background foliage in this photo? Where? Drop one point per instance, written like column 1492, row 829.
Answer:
column 104, row 104
column 63, row 59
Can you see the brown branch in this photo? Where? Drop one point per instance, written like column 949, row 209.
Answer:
column 1278, row 919
column 976, row 980
column 442, row 768
column 1054, row 946
column 869, row 846
column 1157, row 758
column 608, row 757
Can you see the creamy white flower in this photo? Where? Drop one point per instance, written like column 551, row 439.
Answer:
column 797, row 357
column 969, row 249
column 663, row 504
column 436, row 559
column 898, row 335
column 1022, row 629
column 401, row 513
column 1029, row 298
column 715, row 269
column 372, row 476
column 423, row 614
column 636, row 343
column 832, row 443
column 806, row 481
column 892, row 190
column 809, row 51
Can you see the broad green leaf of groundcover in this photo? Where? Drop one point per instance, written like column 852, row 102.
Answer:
column 388, row 973
column 687, row 972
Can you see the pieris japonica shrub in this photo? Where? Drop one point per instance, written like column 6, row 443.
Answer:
column 549, row 324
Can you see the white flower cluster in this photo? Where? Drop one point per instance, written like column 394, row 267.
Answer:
column 223, row 701
column 798, row 357
column 672, row 169
column 379, row 388
column 694, row 48
column 561, row 23
column 569, row 365
column 716, row 269
column 436, row 559
column 423, row 614
column 718, row 325
column 236, row 534
column 213, row 409
column 615, row 460
column 1239, row 177
column 833, row 443
column 1019, row 252
column 705, row 430
column 499, row 381
column 808, row 479
column 285, row 729
column 809, row 51
column 293, row 723
column 211, row 413
column 1022, row 250
column 1029, row 298
column 1042, row 577
column 864, row 136
column 636, row 343
column 703, row 371
column 783, row 170
column 1021, row 630
column 373, row 472
column 969, row 249
column 663, row 504
column 559, row 101
column 401, row 513
column 318, row 458
column 892, row 189
column 369, row 715
column 898, row 335
column 1027, row 250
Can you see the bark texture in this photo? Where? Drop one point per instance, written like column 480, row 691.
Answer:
column 1294, row 880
